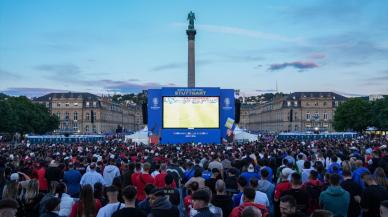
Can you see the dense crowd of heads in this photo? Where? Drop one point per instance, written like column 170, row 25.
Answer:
column 327, row 177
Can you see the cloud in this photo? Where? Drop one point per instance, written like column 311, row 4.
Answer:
column 231, row 30
column 64, row 72
column 297, row 64
column 129, row 86
column 169, row 66
column 6, row 75
column 172, row 66
column 317, row 56
column 30, row 91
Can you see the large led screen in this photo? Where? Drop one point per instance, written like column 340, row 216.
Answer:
column 191, row 112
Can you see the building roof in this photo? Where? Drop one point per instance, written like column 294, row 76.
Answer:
column 67, row 95
column 299, row 95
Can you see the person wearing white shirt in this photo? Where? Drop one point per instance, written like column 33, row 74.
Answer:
column 113, row 205
column 260, row 197
column 92, row 177
column 66, row 201
column 110, row 172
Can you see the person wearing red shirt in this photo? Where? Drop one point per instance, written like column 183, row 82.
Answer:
column 84, row 207
column 248, row 198
column 40, row 174
column 142, row 180
column 160, row 178
column 282, row 186
column 135, row 175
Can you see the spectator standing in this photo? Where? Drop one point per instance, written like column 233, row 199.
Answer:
column 335, row 199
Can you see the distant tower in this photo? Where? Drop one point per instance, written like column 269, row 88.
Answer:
column 191, row 50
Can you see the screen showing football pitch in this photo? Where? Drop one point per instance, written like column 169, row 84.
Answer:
column 191, row 112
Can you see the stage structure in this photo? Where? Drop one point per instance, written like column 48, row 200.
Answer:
column 190, row 115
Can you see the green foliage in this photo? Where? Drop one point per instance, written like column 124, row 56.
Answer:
column 137, row 99
column 357, row 114
column 19, row 114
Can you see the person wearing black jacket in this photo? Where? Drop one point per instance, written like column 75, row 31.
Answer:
column 355, row 194
column 161, row 205
column 222, row 200
column 129, row 196
column 173, row 194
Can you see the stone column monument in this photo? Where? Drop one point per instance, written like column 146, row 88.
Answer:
column 191, row 50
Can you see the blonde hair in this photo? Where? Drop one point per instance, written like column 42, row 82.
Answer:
column 31, row 191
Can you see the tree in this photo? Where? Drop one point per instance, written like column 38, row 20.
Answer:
column 380, row 113
column 354, row 114
column 19, row 114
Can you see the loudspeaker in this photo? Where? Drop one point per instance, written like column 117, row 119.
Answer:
column 237, row 110
column 144, row 112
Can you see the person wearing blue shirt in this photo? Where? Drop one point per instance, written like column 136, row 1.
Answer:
column 250, row 173
column 357, row 174
column 72, row 179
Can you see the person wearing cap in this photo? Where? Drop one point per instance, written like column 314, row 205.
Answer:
column 161, row 205
column 200, row 200
column 250, row 173
column 248, row 198
column 113, row 203
column 92, row 176
column 8, row 207
column 72, row 178
column 110, row 172
column 52, row 207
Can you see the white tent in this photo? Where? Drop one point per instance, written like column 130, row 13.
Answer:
column 241, row 135
column 140, row 136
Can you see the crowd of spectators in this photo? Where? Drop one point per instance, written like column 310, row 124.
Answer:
column 270, row 178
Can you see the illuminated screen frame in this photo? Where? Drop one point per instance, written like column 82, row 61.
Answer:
column 219, row 113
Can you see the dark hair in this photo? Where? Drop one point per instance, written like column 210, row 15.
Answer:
column 307, row 165
column 201, row 195
column 129, row 193
column 242, row 181
column 321, row 213
column 194, row 186
column 313, row 174
column 288, row 199
column 197, row 172
column 87, row 205
column 264, row 173
column 52, row 203
column 60, row 189
column 148, row 188
column 346, row 172
column 296, row 179
column 98, row 190
column 334, row 179
column 250, row 193
column 117, row 182
column 254, row 182
column 111, row 188
column 169, row 179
